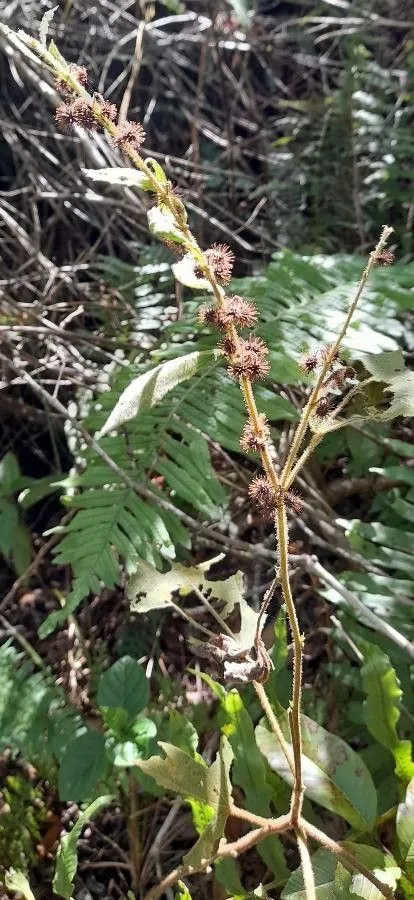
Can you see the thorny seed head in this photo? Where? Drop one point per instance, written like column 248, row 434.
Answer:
column 107, row 108
column 309, row 363
column 385, row 258
column 78, row 72
column 240, row 312
column 291, row 499
column 221, row 260
column 338, row 378
column 255, row 439
column 211, row 315
column 324, row 407
column 130, row 133
column 263, row 495
column 227, row 345
column 249, row 359
column 78, row 112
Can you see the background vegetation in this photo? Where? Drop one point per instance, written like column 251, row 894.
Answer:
column 288, row 127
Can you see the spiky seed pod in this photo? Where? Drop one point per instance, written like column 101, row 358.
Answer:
column 324, row 407
column 255, row 439
column 263, row 495
column 107, row 108
column 293, row 502
column 239, row 312
column 211, row 315
column 309, row 363
column 78, row 72
column 385, row 258
column 130, row 133
column 339, row 377
column 249, row 359
column 78, row 112
column 228, row 346
column 221, row 260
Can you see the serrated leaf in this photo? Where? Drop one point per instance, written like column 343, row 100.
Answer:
column 83, row 766
column 150, row 388
column 333, row 774
column 190, row 778
column 119, row 176
column 148, row 589
column 125, row 686
column 405, row 830
column 383, row 692
column 67, row 857
column 18, row 883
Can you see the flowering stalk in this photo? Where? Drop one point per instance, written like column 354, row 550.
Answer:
column 247, row 359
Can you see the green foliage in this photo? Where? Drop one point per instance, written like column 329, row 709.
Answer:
column 336, row 883
column 382, row 707
column 67, row 857
column 165, row 451
column 334, row 775
column 18, row 883
column 22, row 815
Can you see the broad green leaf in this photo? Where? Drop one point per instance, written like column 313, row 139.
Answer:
column 249, row 772
column 150, row 388
column 120, row 176
column 67, row 857
column 220, row 796
column 334, row 775
column 383, row 692
column 124, row 686
column 83, row 766
column 148, row 589
column 178, row 730
column 18, row 883
column 333, row 882
column 405, row 830
column 391, row 369
column 9, row 474
column 180, row 773
column 209, row 785
column 226, row 873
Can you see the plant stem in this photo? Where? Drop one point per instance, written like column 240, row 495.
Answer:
column 307, row 871
column 294, row 712
column 274, row 724
column 348, row 859
column 303, row 424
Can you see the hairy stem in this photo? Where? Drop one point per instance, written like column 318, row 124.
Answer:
column 307, row 871
column 307, row 411
column 274, row 724
column 294, row 712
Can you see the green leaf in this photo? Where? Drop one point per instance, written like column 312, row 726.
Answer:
column 210, row 785
column 124, row 686
column 183, row 893
column 226, row 873
column 9, row 474
column 384, row 693
column 83, row 766
column 119, row 176
column 150, row 388
column 67, row 857
column 249, row 772
column 18, row 883
column 391, row 369
column 405, row 830
column 334, row 775
column 178, row 730
column 333, row 882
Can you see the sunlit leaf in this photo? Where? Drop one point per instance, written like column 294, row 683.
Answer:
column 333, row 774
column 67, row 857
column 150, row 387
column 120, row 176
